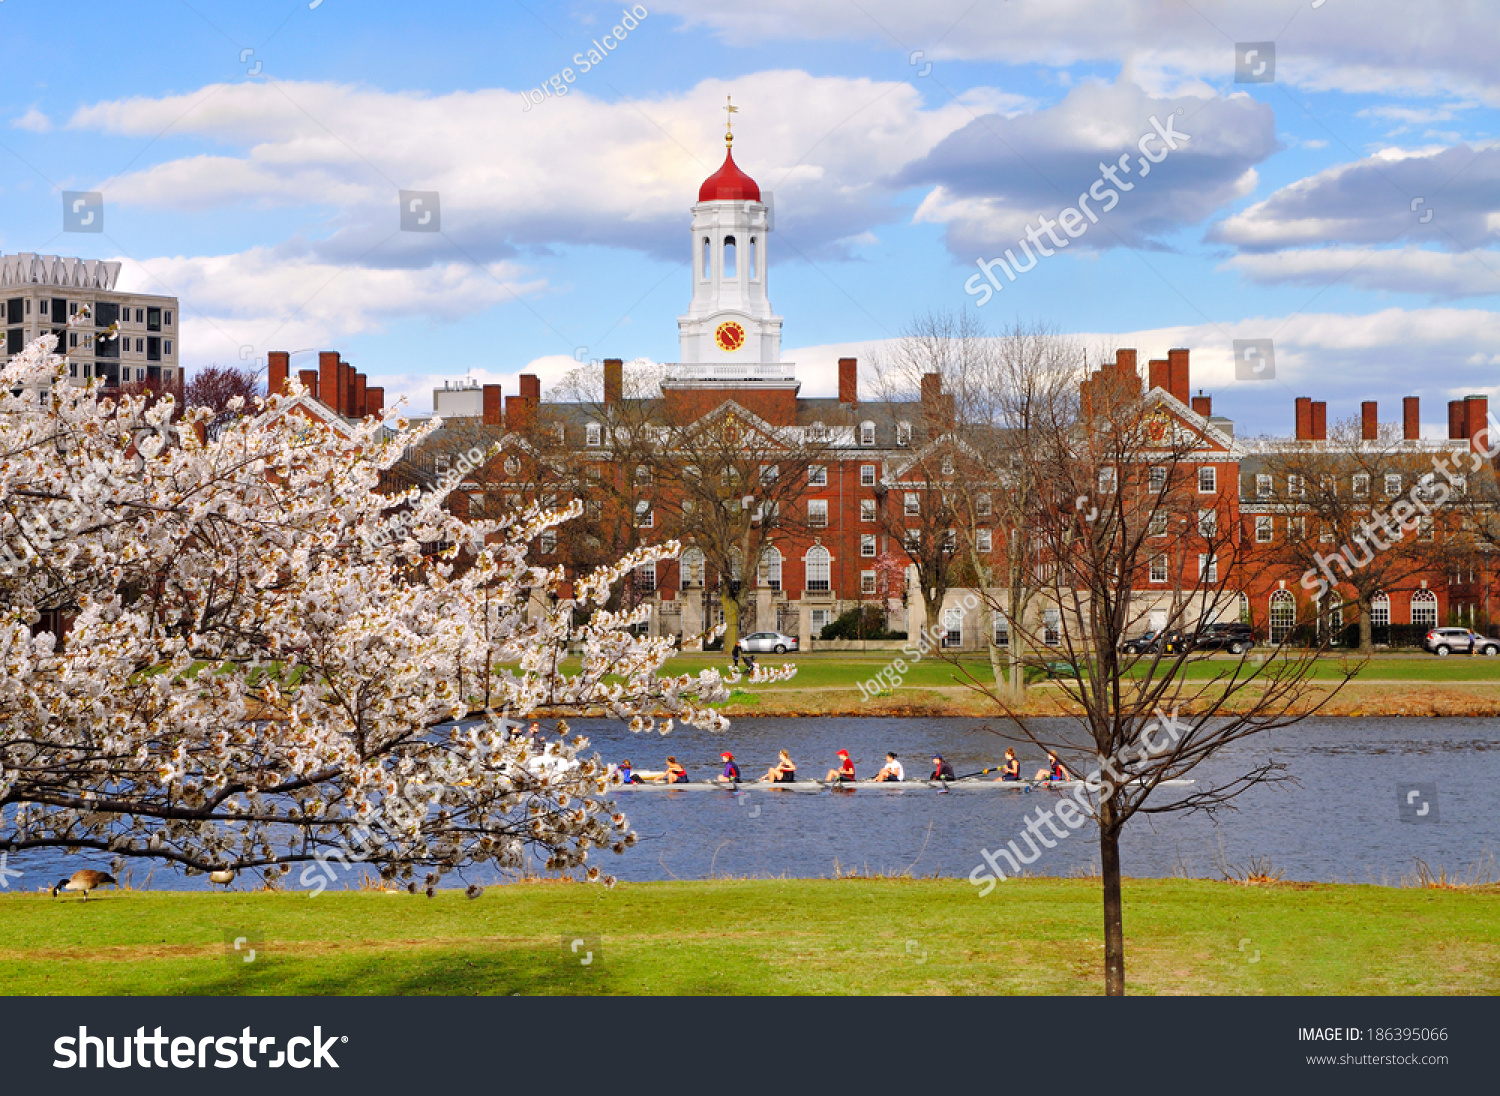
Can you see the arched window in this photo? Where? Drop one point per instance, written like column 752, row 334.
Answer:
column 817, row 560
column 692, row 568
column 512, row 466
column 1283, row 615
column 770, row 569
column 1424, row 608
column 754, row 268
column 729, row 264
column 1380, row 611
column 708, row 259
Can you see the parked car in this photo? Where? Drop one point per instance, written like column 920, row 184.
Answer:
column 1231, row 636
column 761, row 642
column 1171, row 642
column 1140, row 644
column 1443, row 641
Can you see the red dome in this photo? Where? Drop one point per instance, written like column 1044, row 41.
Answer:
column 729, row 184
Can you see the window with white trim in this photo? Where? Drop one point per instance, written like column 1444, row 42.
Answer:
column 1424, row 608
column 1208, row 567
column 953, row 627
column 982, row 506
column 1392, row 484
column 947, row 466
column 1157, row 526
column 1208, row 479
column 817, row 513
column 1265, row 529
column 1051, row 627
column 1158, row 569
column 1263, row 486
column 867, row 582
column 983, row 541
column 769, row 572
column 645, row 517
column 903, row 434
column 867, row 545
column 866, row 509
column 867, row 433
column 1208, row 522
column 1294, row 486
column 867, row 475
column 592, row 434
column 1156, row 480
column 817, row 561
column 913, row 504
column 692, row 567
column 817, row 475
column 1362, row 485
column 645, row 576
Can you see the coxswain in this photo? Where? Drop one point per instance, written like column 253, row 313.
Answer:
column 731, row 773
column 627, row 776
column 844, row 774
column 941, row 770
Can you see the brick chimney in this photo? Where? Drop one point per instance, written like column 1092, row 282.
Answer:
column 1157, row 375
column 848, row 380
column 278, row 364
column 309, row 379
column 357, row 400
column 1304, row 418
column 1476, row 419
column 614, row 380
column 1411, row 418
column 531, row 387
column 1319, row 421
column 1125, row 359
column 328, row 377
column 492, row 403
column 1203, row 405
column 1178, row 382
column 375, row 402
column 1369, row 423
column 1456, row 412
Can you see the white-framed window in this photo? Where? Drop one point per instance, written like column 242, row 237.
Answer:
column 1283, row 615
column 1424, row 528
column 947, row 466
column 1208, row 522
column 953, row 627
column 645, row 517
column 982, row 506
column 1296, row 527
column 548, row 542
column 1106, row 482
column 1157, row 526
column 512, row 466
column 1424, row 608
column 1002, row 631
column 1294, row 486
column 691, row 571
column 1380, row 611
column 817, row 513
column 1263, row 486
column 1361, row 485
column 643, row 476
column 817, row 562
column 867, row 582
column 1392, row 484
column 770, row 473
column 867, row 545
column 950, row 540
column 1208, row 479
column 593, row 433
column 1156, row 480
column 1208, row 567
column 983, row 541
column 1051, row 627
column 1461, row 485
column 645, row 576
column 1158, row 569
column 867, row 433
column 903, row 434
column 817, row 475
column 560, row 431
column 913, row 504
column 769, row 572
column 1325, row 533
column 1265, row 529
column 867, row 475
column 1328, row 484
column 913, row 539
column 866, row 509
column 817, row 432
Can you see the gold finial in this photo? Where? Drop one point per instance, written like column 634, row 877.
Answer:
column 730, row 110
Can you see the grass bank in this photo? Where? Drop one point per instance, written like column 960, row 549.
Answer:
column 861, row 936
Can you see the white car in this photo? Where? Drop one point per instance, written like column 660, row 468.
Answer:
column 768, row 643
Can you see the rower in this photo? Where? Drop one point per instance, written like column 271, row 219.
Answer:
column 892, row 772
column 674, row 774
column 783, row 772
column 941, row 770
column 844, row 774
column 1055, row 771
column 1011, row 770
column 731, row 773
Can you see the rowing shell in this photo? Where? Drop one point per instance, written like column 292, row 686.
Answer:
column 876, row 785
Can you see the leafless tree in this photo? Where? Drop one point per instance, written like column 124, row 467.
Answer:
column 215, row 386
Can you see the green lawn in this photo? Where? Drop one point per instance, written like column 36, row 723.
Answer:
column 761, row 936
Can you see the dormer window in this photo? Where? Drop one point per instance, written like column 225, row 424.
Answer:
column 947, row 466
column 867, row 433
column 592, row 434
column 903, row 433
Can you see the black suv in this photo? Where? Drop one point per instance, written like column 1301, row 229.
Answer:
column 1228, row 636
column 1172, row 642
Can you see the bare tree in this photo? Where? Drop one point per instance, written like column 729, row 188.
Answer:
column 1145, row 720
column 216, row 386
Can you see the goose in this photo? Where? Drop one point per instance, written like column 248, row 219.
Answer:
column 85, row 880
column 224, row 877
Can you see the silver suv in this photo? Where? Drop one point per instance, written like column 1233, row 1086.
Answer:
column 1443, row 641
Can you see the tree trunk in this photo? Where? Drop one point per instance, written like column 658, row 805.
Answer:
column 1114, row 913
column 1366, row 632
column 731, row 609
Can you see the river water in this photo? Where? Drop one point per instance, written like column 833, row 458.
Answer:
column 1349, row 820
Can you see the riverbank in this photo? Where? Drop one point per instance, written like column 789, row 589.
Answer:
column 832, row 936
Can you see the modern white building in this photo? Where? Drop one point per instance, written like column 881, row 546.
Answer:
column 38, row 293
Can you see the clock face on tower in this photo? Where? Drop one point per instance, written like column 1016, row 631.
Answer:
column 729, row 335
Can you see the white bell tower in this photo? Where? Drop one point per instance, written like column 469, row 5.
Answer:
column 730, row 318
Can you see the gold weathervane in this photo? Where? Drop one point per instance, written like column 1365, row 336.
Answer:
column 730, row 110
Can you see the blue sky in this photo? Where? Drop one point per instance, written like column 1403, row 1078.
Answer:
column 903, row 143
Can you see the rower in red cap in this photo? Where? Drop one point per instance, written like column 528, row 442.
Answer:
column 844, row 774
column 731, row 773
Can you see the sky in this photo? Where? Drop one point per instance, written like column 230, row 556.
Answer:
column 1322, row 174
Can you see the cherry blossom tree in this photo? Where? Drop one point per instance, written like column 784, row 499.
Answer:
column 214, row 654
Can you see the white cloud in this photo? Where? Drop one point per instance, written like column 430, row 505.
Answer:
column 1407, row 270
column 33, row 120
